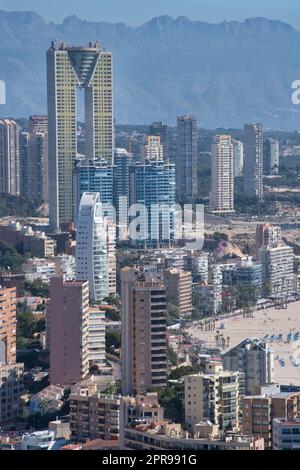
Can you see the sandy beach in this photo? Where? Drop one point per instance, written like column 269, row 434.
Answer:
column 284, row 324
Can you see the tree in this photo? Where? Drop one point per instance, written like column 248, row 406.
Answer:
column 10, row 258
column 26, row 324
column 173, row 314
column 112, row 340
column 246, row 296
column 43, row 406
column 37, row 288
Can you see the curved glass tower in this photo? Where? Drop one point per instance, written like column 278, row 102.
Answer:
column 91, row 247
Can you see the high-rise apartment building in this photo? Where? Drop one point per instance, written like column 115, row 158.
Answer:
column 179, row 289
column 267, row 236
column 94, row 176
column 222, row 179
column 153, row 149
column 238, row 157
column 91, row 246
column 69, row 68
column 153, row 186
column 38, row 123
column 144, row 345
column 271, row 156
column 159, row 129
column 255, row 359
column 277, row 270
column 24, row 161
column 67, row 328
column 8, row 322
column 186, row 158
column 253, row 160
column 37, row 173
column 9, row 157
column 122, row 162
column 214, row 395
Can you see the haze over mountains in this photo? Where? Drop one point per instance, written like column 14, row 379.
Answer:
column 225, row 74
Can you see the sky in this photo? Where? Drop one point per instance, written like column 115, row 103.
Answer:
column 136, row 12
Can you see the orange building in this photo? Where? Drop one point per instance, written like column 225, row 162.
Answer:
column 8, row 325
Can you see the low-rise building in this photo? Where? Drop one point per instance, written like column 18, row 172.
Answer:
column 167, row 436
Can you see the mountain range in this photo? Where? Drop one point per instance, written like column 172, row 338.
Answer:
column 225, row 74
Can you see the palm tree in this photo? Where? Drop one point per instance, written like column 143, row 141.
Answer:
column 43, row 406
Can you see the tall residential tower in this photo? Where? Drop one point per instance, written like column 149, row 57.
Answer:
column 68, row 69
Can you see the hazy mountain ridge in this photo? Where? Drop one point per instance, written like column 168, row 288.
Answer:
column 226, row 74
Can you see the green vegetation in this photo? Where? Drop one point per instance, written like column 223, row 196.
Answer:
column 112, row 341
column 246, row 296
column 17, row 205
column 9, row 257
column 37, row 288
column 171, row 399
column 179, row 372
column 173, row 314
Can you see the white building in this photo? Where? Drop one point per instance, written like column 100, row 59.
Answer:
column 37, row 268
column 222, row 181
column 96, row 336
column 278, row 271
column 41, row 440
column 91, row 247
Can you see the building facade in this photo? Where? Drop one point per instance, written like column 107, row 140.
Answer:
column 67, row 329
column 144, row 342
column 214, row 396
column 255, row 359
column 9, row 157
column 186, row 158
column 253, row 161
column 91, row 247
column 69, row 68
column 222, row 178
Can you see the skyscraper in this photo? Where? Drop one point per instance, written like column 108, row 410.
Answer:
column 67, row 327
column 253, row 160
column 37, row 173
column 152, row 150
column 91, row 247
column 9, row 157
column 69, row 68
column 122, row 161
column 24, row 162
column 222, row 181
column 186, row 158
column 271, row 157
column 94, row 176
column 8, row 322
column 238, row 157
column 144, row 345
column 154, row 187
column 159, row 129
